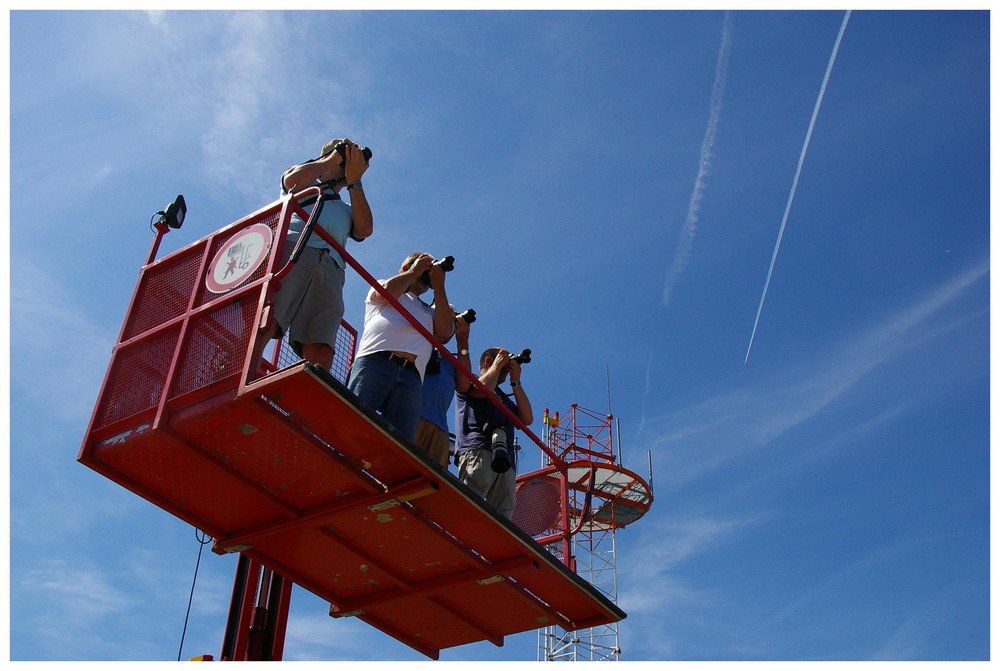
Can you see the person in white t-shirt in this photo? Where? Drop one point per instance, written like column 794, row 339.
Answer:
column 388, row 372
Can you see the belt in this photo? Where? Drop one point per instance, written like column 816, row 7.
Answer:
column 395, row 358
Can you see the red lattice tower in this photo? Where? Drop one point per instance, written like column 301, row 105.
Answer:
column 576, row 507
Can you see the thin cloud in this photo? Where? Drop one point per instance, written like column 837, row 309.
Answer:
column 53, row 333
column 666, row 547
column 710, row 435
column 671, row 543
column 707, row 435
column 254, row 85
column 645, row 396
column 255, row 90
column 85, row 594
column 101, row 174
column 704, row 161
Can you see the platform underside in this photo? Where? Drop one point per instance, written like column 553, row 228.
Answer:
column 296, row 474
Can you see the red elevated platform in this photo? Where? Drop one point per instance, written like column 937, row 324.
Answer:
column 291, row 471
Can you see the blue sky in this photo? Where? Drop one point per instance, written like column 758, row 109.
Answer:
column 611, row 185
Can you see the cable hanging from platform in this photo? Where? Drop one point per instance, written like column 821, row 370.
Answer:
column 203, row 540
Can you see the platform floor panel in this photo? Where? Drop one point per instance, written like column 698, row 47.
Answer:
column 297, row 474
column 183, row 479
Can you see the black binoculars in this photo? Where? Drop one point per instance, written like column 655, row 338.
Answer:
column 341, row 148
column 447, row 264
column 469, row 315
column 523, row 357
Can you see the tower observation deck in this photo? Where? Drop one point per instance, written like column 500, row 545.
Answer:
column 278, row 461
column 602, row 497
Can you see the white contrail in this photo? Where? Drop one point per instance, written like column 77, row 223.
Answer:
column 645, row 397
column 795, row 180
column 704, row 163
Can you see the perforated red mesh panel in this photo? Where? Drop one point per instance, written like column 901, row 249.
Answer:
column 216, row 344
column 163, row 292
column 212, row 346
column 135, row 381
column 537, row 510
column 343, row 357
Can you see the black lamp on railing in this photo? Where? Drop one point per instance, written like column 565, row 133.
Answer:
column 173, row 214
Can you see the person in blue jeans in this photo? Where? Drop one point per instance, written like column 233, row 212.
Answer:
column 441, row 381
column 392, row 356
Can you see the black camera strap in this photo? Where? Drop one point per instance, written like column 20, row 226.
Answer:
column 329, row 193
column 433, row 364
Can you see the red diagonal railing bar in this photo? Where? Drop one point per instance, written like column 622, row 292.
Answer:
column 384, row 293
column 582, row 450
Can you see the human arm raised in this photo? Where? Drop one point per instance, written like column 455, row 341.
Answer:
column 524, row 412
column 362, row 223
column 303, row 175
column 462, row 383
column 444, row 316
column 401, row 282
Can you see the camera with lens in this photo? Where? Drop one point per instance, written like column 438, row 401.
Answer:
column 469, row 315
column 447, row 264
column 341, row 148
column 499, row 450
column 523, row 357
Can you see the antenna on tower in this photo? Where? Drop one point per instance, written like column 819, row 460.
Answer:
column 650, row 454
column 607, row 369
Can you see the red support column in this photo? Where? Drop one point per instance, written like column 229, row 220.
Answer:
column 258, row 614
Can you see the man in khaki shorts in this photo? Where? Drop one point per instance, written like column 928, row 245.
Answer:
column 310, row 303
column 482, row 431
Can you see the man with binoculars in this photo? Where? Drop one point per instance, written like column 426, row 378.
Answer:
column 484, row 434
column 392, row 356
column 310, row 303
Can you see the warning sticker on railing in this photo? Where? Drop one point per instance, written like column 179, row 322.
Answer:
column 239, row 258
